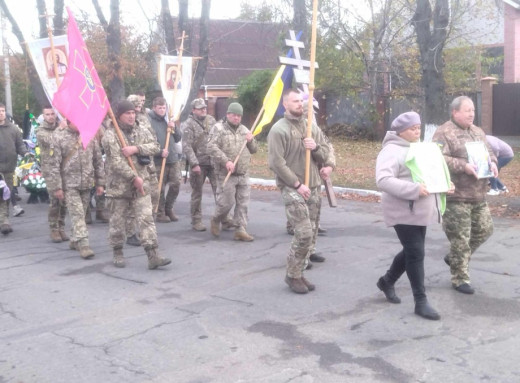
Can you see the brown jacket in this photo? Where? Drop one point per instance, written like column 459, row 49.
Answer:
column 452, row 139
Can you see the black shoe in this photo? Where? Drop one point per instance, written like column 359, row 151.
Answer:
column 309, row 266
column 321, row 231
column 316, row 258
column 447, row 259
column 423, row 309
column 388, row 290
column 465, row 288
column 133, row 241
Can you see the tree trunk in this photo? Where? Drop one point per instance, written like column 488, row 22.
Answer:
column 58, row 18
column 185, row 25
column 431, row 38
column 202, row 66
column 116, row 84
column 40, row 4
column 34, row 79
column 169, row 34
column 300, row 22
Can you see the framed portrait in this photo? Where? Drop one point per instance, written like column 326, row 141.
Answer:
column 478, row 156
column 60, row 53
column 171, row 75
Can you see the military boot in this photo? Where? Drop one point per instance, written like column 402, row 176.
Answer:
column 171, row 215
column 297, row 285
column 101, row 216
column 73, row 245
column 55, row 236
column 154, row 260
column 88, row 216
column 198, row 226
column 310, row 286
column 163, row 218
column 215, row 227
column 5, row 228
column 86, row 252
column 63, row 235
column 118, row 260
column 243, row 236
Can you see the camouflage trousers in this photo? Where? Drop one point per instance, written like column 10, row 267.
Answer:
column 141, row 206
column 467, row 226
column 131, row 223
column 302, row 215
column 4, row 204
column 237, row 191
column 172, row 178
column 197, row 182
column 57, row 213
column 77, row 202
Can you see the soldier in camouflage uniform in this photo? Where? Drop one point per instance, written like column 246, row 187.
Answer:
column 195, row 147
column 225, row 141
column 11, row 145
column 73, row 172
column 143, row 122
column 467, row 221
column 287, row 145
column 57, row 208
column 129, row 189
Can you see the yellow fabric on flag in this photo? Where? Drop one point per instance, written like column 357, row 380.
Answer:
column 271, row 101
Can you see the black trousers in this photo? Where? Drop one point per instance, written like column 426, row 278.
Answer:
column 410, row 259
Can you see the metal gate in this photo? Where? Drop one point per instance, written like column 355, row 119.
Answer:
column 506, row 109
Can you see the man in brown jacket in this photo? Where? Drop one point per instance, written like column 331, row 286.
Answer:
column 467, row 221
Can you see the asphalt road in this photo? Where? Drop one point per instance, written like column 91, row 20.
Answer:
column 222, row 313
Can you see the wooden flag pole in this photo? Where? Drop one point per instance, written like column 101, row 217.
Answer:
column 53, row 49
column 170, row 112
column 245, row 143
column 311, row 88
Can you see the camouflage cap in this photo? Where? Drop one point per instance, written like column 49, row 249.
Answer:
column 198, row 103
column 134, row 99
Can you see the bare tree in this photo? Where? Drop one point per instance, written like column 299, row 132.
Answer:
column 113, row 30
column 431, row 29
column 34, row 80
column 202, row 66
column 167, row 21
column 300, row 23
column 58, row 18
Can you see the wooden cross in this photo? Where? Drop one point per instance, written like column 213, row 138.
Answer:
column 301, row 75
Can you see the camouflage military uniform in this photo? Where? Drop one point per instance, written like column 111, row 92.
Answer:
column 287, row 161
column 11, row 145
column 121, row 193
column 195, row 148
column 74, row 170
column 224, row 144
column 467, row 221
column 57, row 208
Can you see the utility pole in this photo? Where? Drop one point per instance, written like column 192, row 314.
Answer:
column 7, row 73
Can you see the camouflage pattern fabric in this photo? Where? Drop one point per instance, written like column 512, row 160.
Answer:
column 57, row 213
column 195, row 136
column 172, row 178
column 302, row 215
column 236, row 192
column 467, row 226
column 77, row 202
column 197, row 183
column 142, row 208
column 4, row 204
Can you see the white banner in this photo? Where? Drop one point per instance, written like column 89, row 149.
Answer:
column 41, row 55
column 168, row 69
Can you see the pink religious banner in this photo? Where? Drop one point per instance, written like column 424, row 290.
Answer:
column 81, row 97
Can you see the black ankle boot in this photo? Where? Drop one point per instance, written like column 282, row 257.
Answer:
column 388, row 290
column 423, row 309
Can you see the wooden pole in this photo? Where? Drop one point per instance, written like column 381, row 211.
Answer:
column 53, row 50
column 244, row 144
column 311, row 87
column 170, row 112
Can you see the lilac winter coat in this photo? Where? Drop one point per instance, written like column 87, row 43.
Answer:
column 400, row 200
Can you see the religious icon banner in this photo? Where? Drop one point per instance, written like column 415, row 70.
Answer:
column 41, row 55
column 478, row 156
column 428, row 167
column 167, row 73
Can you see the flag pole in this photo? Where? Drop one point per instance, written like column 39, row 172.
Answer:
column 311, row 87
column 253, row 128
column 170, row 112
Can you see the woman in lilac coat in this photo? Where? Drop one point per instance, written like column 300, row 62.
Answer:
column 408, row 208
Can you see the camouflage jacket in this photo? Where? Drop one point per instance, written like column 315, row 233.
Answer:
column 120, row 174
column 73, row 167
column 144, row 122
column 195, row 136
column 44, row 136
column 11, row 145
column 224, row 145
column 452, row 140
column 287, row 153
